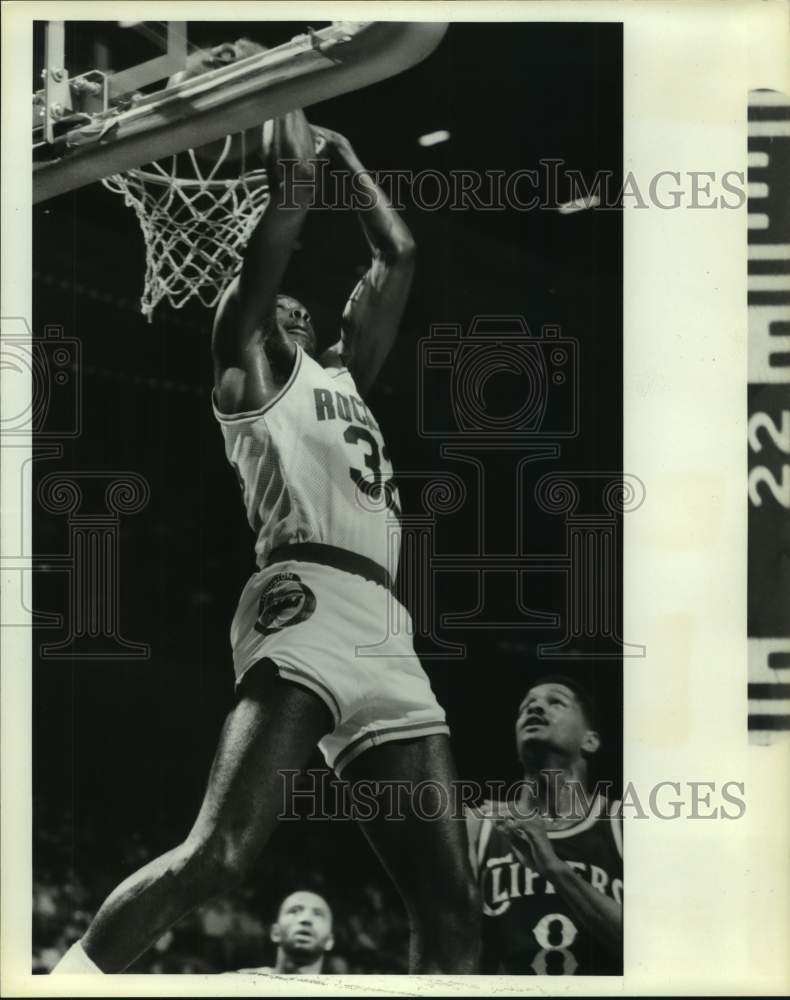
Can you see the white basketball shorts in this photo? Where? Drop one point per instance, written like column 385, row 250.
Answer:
column 347, row 639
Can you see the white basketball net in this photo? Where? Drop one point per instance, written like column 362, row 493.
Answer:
column 195, row 226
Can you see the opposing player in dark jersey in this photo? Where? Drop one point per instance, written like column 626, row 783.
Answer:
column 550, row 864
column 317, row 490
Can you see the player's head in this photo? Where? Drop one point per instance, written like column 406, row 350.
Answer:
column 294, row 321
column 303, row 929
column 556, row 714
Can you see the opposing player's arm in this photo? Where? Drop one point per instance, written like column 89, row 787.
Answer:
column 245, row 316
column 374, row 311
column 598, row 914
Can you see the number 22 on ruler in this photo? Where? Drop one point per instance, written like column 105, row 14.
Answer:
column 780, row 438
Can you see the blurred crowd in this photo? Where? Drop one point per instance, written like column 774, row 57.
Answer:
column 371, row 929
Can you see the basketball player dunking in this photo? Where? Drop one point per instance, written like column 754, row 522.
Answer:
column 316, row 482
column 550, row 867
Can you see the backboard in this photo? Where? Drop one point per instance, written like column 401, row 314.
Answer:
column 94, row 117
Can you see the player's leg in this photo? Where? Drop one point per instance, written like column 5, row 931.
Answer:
column 274, row 725
column 426, row 858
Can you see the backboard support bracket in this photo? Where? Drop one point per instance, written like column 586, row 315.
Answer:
column 92, row 92
column 57, row 92
column 173, row 59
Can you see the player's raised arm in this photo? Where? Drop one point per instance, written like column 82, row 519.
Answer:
column 242, row 371
column 601, row 916
column 374, row 311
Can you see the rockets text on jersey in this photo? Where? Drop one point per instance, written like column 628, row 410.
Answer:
column 313, row 467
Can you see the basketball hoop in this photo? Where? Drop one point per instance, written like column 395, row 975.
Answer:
column 195, row 223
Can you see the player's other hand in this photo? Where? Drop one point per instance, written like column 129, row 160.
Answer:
column 529, row 839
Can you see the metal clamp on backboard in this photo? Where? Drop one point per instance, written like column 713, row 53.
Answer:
column 67, row 102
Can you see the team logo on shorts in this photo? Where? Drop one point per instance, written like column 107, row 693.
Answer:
column 284, row 601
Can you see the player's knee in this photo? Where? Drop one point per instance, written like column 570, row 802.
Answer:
column 216, row 864
column 235, row 865
column 230, row 861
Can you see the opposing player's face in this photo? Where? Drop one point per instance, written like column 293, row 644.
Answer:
column 304, row 926
column 294, row 321
column 551, row 716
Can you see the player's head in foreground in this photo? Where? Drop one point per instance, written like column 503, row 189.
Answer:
column 555, row 726
column 302, row 932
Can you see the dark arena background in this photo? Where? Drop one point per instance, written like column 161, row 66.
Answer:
column 122, row 746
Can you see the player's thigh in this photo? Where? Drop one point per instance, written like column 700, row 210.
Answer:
column 274, row 726
column 426, row 851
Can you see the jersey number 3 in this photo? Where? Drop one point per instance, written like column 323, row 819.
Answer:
column 373, row 484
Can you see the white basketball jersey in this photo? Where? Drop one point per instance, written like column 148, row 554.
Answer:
column 313, row 467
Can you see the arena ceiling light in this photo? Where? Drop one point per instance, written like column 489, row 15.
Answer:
column 433, row 138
